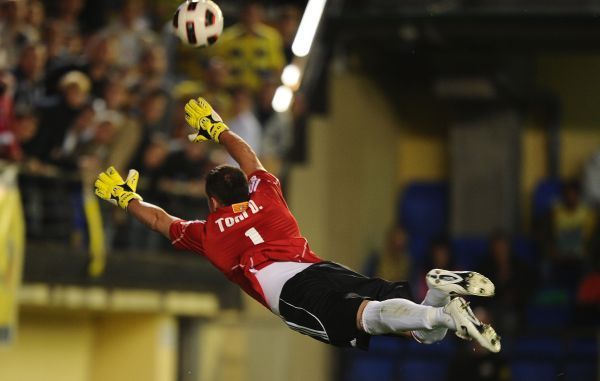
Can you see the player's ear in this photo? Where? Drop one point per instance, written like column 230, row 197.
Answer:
column 213, row 204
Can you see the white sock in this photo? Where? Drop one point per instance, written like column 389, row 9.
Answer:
column 402, row 315
column 430, row 336
column 435, row 298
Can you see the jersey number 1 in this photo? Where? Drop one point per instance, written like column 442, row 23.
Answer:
column 254, row 236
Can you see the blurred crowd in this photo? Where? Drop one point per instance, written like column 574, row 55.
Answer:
column 76, row 93
column 85, row 85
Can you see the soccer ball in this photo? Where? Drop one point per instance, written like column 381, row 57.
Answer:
column 198, row 22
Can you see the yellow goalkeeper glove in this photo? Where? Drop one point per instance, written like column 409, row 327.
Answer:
column 111, row 187
column 201, row 117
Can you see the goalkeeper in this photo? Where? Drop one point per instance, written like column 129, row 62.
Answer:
column 251, row 236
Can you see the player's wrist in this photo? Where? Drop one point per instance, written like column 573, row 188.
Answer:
column 218, row 130
column 127, row 198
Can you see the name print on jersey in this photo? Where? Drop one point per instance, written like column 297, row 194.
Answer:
column 228, row 222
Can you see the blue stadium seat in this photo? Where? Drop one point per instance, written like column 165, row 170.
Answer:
column 416, row 369
column 548, row 316
column 539, row 348
column 423, row 209
column 371, row 369
column 469, row 252
column 544, row 195
column 444, row 348
column 417, row 247
column 388, row 345
column 533, row 370
column 524, row 249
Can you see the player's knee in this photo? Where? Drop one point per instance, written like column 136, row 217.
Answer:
column 359, row 315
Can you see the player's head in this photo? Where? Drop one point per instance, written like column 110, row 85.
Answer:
column 226, row 185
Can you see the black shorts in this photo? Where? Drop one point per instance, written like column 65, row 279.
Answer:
column 322, row 301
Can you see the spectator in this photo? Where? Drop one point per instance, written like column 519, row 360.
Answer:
column 152, row 114
column 216, row 80
column 253, row 50
column 35, row 17
column 30, row 76
column 183, row 171
column 117, row 99
column 514, row 280
column 57, row 117
column 103, row 133
column 153, row 110
column 68, row 15
column 244, row 123
column 132, row 31
column 116, row 96
column 23, row 129
column 572, row 226
column 101, row 64
column 98, row 60
column 15, row 33
column 394, row 262
column 152, row 161
column 54, row 38
column 153, row 70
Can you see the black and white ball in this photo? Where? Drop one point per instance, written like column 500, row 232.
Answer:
column 198, row 22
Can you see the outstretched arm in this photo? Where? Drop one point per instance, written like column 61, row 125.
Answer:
column 209, row 126
column 241, row 152
column 111, row 187
column 152, row 216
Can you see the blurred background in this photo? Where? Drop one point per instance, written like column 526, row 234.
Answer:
column 408, row 134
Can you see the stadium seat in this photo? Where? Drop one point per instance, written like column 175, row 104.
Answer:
column 469, row 252
column 545, row 194
column 423, row 209
column 538, row 348
column 371, row 369
column 443, row 348
column 524, row 249
column 417, row 247
column 415, row 369
column 533, row 370
column 548, row 316
column 388, row 345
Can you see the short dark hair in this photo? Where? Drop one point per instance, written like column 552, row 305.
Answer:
column 227, row 184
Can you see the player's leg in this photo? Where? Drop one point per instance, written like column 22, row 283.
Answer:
column 444, row 283
column 394, row 316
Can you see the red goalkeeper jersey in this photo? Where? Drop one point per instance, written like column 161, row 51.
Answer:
column 243, row 238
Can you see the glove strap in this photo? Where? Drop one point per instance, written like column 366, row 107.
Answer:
column 217, row 129
column 126, row 197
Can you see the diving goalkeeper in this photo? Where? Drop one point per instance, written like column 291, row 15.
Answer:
column 251, row 236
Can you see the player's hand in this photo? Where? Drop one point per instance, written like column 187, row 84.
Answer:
column 111, row 187
column 200, row 115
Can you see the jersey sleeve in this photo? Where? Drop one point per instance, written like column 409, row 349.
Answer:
column 188, row 235
column 265, row 183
